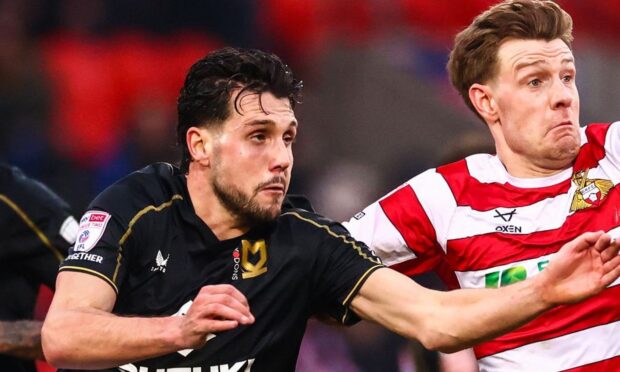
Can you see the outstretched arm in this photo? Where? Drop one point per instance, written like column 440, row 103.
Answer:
column 450, row 321
column 80, row 332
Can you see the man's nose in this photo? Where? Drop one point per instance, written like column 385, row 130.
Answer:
column 562, row 94
column 282, row 156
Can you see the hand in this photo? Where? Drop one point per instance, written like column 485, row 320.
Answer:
column 582, row 268
column 216, row 308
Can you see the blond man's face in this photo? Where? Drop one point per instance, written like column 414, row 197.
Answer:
column 537, row 102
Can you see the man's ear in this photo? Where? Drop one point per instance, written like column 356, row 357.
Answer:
column 481, row 97
column 199, row 143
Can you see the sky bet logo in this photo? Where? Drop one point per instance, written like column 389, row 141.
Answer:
column 251, row 261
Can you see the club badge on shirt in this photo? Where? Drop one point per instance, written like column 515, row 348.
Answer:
column 590, row 192
column 92, row 226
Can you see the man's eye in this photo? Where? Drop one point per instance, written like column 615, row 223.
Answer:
column 535, row 82
column 259, row 137
column 567, row 78
column 289, row 139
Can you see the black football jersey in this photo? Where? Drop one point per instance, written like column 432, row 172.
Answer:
column 143, row 238
column 36, row 229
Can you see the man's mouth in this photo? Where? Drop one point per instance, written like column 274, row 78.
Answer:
column 563, row 125
column 274, row 185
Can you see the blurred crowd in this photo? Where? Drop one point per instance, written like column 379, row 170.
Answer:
column 88, row 91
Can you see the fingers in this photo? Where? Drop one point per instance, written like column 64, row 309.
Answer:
column 598, row 240
column 225, row 307
column 611, row 270
column 222, row 302
column 220, row 325
column 216, row 308
column 603, row 242
column 607, row 247
column 585, row 241
column 225, row 289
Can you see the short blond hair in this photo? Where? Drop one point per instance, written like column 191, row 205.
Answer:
column 473, row 58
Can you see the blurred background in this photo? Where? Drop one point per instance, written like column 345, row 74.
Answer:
column 88, row 91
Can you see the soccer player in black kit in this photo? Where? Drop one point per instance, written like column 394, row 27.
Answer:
column 36, row 229
column 206, row 268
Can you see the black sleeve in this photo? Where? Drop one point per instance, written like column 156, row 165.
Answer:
column 104, row 238
column 341, row 268
column 112, row 234
column 36, row 226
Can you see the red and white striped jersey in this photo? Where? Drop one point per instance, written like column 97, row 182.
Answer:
column 477, row 227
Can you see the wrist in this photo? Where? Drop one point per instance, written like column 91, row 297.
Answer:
column 542, row 288
column 171, row 333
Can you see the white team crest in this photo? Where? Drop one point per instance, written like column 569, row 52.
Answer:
column 160, row 262
column 92, row 227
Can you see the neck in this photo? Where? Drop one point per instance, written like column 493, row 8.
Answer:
column 210, row 210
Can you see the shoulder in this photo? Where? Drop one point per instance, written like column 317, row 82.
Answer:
column 293, row 201
column 599, row 134
column 599, row 141
column 312, row 229
column 27, row 193
column 482, row 167
column 305, row 219
column 154, row 186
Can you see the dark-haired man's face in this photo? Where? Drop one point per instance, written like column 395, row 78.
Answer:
column 253, row 158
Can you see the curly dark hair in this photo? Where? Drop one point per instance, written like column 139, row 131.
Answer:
column 205, row 97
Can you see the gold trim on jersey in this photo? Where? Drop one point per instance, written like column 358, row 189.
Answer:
column 133, row 221
column 144, row 211
column 344, row 238
column 589, row 191
column 90, row 271
column 20, row 212
column 119, row 255
column 355, row 289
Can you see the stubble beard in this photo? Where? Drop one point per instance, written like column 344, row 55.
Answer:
column 245, row 207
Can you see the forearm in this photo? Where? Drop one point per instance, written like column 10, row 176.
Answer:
column 90, row 339
column 582, row 268
column 447, row 321
column 459, row 319
column 21, row 338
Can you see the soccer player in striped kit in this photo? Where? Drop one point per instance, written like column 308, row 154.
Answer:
column 493, row 220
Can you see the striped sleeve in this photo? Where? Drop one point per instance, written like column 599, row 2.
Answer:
column 400, row 227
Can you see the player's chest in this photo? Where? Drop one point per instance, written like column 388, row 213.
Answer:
column 173, row 272
column 507, row 244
